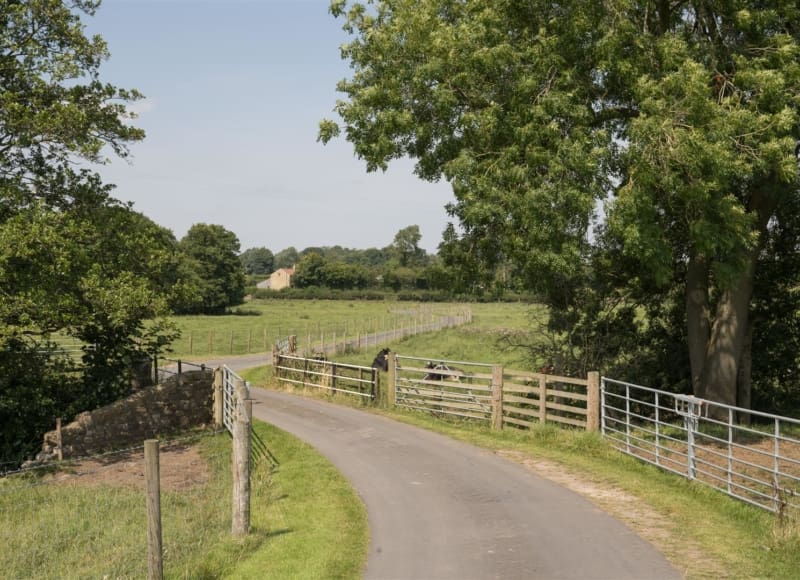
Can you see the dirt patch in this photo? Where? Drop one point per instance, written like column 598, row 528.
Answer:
column 181, row 467
column 629, row 509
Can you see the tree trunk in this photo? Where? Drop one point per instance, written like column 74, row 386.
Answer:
column 697, row 319
column 727, row 339
column 725, row 371
column 745, row 379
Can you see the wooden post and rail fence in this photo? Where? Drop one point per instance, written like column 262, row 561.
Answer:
column 486, row 392
column 493, row 393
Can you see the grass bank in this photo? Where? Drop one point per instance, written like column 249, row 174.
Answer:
column 94, row 526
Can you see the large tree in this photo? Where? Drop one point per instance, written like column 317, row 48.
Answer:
column 53, row 107
column 213, row 254
column 680, row 116
column 405, row 247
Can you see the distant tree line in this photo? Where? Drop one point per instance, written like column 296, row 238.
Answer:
column 401, row 266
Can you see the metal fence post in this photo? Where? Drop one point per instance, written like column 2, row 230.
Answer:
column 218, row 397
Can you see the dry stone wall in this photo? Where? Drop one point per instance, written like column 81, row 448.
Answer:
column 173, row 406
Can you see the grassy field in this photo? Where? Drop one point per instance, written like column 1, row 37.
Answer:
column 94, row 526
column 255, row 326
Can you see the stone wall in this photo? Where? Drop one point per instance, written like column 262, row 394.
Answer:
column 162, row 409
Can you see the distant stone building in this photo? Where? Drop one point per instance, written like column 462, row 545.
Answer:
column 281, row 278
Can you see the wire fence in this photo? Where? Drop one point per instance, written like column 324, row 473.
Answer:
column 316, row 336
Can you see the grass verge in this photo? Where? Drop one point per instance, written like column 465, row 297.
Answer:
column 89, row 528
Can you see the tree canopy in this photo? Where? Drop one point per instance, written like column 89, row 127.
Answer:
column 74, row 262
column 213, row 256
column 257, row 261
column 678, row 119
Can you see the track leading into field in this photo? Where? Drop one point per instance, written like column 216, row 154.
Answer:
column 441, row 509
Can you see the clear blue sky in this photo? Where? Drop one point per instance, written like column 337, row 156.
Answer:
column 235, row 90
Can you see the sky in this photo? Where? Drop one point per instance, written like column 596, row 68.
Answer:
column 234, row 93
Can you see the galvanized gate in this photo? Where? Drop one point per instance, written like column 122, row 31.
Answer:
column 752, row 456
column 229, row 381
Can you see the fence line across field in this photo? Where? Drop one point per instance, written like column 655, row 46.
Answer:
column 702, row 441
column 353, row 333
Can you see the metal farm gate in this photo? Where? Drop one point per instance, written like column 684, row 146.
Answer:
column 327, row 375
column 229, row 381
column 752, row 456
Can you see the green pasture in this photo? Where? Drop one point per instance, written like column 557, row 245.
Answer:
column 482, row 341
column 257, row 325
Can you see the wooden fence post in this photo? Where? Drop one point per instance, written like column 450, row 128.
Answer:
column 392, row 379
column 59, row 442
column 240, row 465
column 497, row 397
column 155, row 564
column 542, row 399
column 218, row 397
column 593, row 402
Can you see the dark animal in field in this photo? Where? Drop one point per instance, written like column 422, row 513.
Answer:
column 381, row 360
column 447, row 374
column 547, row 369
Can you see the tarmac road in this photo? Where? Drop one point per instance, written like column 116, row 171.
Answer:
column 441, row 509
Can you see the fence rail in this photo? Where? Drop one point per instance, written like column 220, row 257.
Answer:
column 326, row 375
column 530, row 398
column 702, row 441
column 487, row 392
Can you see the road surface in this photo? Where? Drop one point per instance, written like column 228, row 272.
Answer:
column 441, row 509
